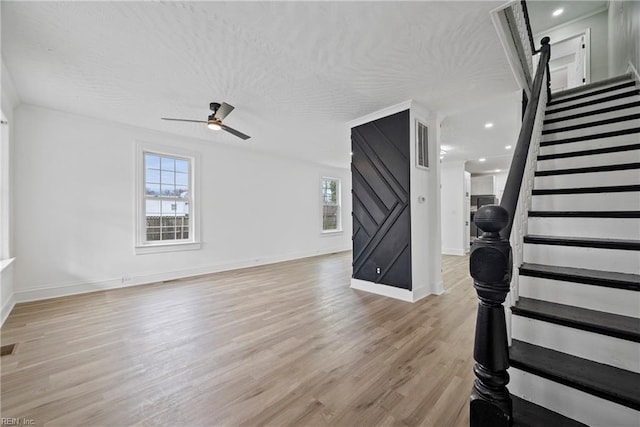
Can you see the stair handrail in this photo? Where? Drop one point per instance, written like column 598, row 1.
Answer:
column 491, row 262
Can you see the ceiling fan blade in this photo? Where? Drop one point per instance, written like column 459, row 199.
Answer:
column 183, row 120
column 235, row 132
column 223, row 111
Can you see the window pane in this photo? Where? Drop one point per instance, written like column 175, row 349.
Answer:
column 152, row 207
column 152, row 189
column 168, row 190
column 329, row 191
column 168, row 164
column 182, row 178
column 152, row 161
column 168, row 208
column 330, row 218
column 168, row 177
column 153, row 175
column 181, row 208
column 182, row 166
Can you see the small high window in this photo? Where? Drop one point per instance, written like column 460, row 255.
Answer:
column 331, row 205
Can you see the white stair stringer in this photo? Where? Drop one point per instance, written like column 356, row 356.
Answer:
column 584, row 407
column 612, row 228
column 624, row 302
column 600, row 348
column 623, row 261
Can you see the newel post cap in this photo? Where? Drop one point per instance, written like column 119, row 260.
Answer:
column 545, row 40
column 491, row 218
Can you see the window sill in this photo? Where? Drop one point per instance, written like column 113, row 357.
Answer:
column 5, row 263
column 167, row 247
column 330, row 232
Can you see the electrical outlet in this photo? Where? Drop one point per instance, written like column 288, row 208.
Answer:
column 378, row 270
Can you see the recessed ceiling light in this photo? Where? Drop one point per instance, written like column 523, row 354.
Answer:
column 488, row 125
column 482, row 160
column 558, row 12
column 508, row 147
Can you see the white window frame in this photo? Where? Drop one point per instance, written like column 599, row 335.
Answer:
column 142, row 246
column 339, row 204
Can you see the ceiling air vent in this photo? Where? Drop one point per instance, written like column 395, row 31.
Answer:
column 422, row 145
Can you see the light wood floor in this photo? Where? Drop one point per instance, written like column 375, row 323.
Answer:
column 285, row 344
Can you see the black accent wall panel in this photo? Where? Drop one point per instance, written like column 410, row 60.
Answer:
column 380, row 171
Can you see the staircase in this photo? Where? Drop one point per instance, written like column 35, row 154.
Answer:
column 576, row 325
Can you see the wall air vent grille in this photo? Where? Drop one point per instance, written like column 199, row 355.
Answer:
column 422, row 145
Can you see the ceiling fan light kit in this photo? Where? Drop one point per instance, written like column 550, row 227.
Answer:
column 214, row 121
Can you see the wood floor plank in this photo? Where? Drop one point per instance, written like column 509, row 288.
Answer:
column 282, row 344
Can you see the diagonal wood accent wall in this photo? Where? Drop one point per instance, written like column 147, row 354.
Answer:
column 381, row 215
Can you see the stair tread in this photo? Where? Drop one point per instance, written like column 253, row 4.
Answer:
column 605, row 110
column 607, row 382
column 592, row 242
column 618, row 119
column 583, row 275
column 590, row 137
column 600, row 322
column 586, row 214
column 627, row 94
column 528, row 414
column 586, row 190
column 590, row 169
column 595, row 151
column 592, row 85
column 587, row 94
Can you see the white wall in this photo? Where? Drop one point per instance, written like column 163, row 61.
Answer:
column 483, row 185
column 624, row 36
column 9, row 101
column 599, row 41
column 74, row 207
column 452, row 208
column 425, row 205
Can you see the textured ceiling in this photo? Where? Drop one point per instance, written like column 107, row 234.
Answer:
column 296, row 72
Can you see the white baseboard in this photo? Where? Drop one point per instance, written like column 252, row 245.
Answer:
column 6, row 308
column 453, row 251
column 66, row 289
column 384, row 290
column 392, row 291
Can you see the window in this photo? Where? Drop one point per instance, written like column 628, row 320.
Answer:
column 166, row 205
column 331, row 205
